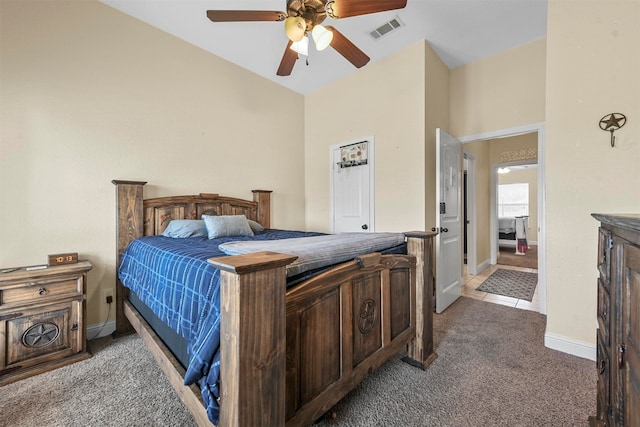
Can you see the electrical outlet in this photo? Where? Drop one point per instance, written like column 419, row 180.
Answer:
column 107, row 296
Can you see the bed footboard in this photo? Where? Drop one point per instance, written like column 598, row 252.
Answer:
column 340, row 326
column 343, row 325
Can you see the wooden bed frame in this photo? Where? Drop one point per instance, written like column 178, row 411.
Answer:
column 290, row 361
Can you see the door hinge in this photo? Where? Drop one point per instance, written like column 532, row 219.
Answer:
column 610, row 243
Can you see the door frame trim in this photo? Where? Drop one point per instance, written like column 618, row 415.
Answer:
column 372, row 183
column 538, row 127
column 472, row 213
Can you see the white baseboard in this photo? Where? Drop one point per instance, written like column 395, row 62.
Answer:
column 570, row 346
column 483, row 265
column 93, row 331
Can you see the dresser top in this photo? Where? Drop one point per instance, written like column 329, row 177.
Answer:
column 630, row 221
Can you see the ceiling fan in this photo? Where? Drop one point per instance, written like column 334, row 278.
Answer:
column 304, row 16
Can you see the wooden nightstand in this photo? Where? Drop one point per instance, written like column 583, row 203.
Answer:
column 42, row 319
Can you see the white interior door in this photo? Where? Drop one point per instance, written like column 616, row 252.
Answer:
column 448, row 242
column 352, row 188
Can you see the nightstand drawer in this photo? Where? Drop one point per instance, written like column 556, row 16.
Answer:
column 42, row 319
column 39, row 291
column 43, row 333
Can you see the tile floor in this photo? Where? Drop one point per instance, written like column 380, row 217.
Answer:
column 471, row 282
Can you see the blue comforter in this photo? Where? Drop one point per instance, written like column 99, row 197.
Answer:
column 173, row 278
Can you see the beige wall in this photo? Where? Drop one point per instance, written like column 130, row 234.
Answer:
column 90, row 95
column 402, row 115
column 593, row 68
column 437, row 116
column 385, row 100
column 499, row 92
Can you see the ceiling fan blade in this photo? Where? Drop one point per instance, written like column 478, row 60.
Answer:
column 347, row 49
column 288, row 61
column 345, row 8
column 245, row 15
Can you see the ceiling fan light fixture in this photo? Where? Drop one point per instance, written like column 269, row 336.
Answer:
column 295, row 27
column 322, row 37
column 328, row 7
column 301, row 47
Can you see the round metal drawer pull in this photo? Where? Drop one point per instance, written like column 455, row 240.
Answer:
column 42, row 291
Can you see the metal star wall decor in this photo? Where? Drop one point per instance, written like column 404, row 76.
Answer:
column 612, row 122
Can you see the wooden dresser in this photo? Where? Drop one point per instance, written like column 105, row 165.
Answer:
column 42, row 319
column 618, row 336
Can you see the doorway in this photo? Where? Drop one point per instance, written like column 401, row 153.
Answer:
column 352, row 194
column 516, row 190
column 486, row 260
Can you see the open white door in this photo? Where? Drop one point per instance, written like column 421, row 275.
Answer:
column 448, row 242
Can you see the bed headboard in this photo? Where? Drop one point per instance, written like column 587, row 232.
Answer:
column 160, row 211
column 137, row 217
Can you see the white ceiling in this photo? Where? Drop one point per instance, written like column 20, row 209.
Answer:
column 460, row 31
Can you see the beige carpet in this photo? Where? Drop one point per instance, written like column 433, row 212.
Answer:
column 492, row 370
column 508, row 256
column 119, row 386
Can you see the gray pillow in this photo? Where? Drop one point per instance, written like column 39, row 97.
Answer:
column 255, row 226
column 227, row 226
column 181, row 228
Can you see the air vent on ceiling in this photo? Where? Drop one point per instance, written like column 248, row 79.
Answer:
column 386, row 28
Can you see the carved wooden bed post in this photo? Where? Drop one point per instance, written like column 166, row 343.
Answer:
column 420, row 351
column 129, row 205
column 263, row 198
column 252, row 338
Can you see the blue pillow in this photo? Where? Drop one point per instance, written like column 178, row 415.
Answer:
column 181, row 228
column 256, row 227
column 227, row 226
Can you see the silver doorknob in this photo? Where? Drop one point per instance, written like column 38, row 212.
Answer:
column 365, row 226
